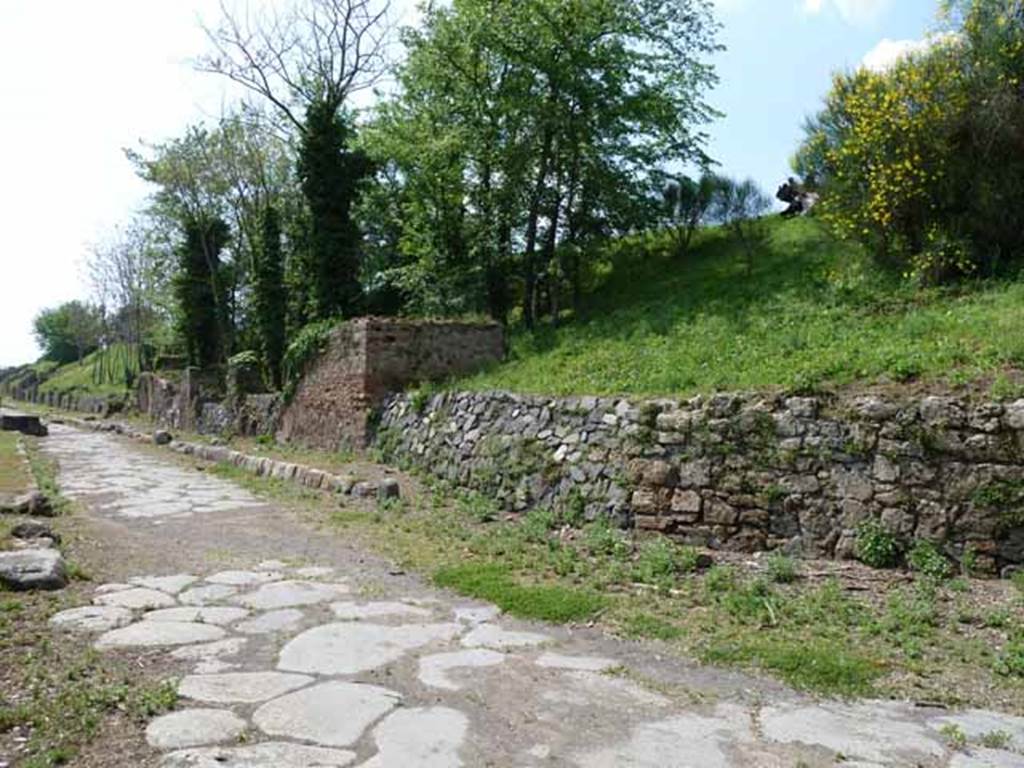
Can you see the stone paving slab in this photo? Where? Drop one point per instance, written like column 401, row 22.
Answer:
column 312, row 714
column 192, row 727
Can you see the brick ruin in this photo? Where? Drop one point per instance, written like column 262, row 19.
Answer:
column 370, row 358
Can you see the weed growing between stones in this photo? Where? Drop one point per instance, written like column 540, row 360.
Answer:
column 44, row 470
column 995, row 740
column 954, row 735
column 876, row 546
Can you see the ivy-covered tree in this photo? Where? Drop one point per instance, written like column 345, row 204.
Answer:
column 199, row 289
column 330, row 174
column 305, row 60
column 270, row 297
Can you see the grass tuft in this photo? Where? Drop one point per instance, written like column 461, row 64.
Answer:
column 495, row 583
column 819, row 666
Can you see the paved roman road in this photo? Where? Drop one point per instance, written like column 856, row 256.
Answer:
column 295, row 650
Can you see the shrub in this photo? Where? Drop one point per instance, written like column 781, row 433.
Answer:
column 308, row 344
column 781, row 568
column 925, row 558
column 601, row 538
column 876, row 546
column 1011, row 661
column 921, row 162
column 659, row 561
column 537, row 525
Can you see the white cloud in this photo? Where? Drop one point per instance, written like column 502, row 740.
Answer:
column 888, row 52
column 856, row 12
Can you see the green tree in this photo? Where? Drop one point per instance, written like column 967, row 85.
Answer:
column 198, row 279
column 524, row 130
column 687, row 203
column 69, row 332
column 740, row 206
column 331, row 175
column 270, row 297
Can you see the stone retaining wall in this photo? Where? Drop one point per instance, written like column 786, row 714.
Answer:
column 742, row 472
column 68, row 401
column 188, row 404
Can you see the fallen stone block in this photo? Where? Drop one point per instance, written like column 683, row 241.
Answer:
column 25, row 423
column 340, row 484
column 388, row 489
column 31, row 569
column 32, row 529
column 364, row 489
column 32, row 503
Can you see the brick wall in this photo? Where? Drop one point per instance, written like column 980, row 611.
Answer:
column 369, row 358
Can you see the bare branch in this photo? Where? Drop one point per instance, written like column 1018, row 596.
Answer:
column 316, row 51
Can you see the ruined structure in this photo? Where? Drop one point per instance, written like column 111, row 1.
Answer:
column 370, row 358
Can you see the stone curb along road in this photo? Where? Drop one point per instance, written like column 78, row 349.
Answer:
column 294, row 650
column 260, row 466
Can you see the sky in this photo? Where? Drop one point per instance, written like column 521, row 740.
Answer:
column 80, row 81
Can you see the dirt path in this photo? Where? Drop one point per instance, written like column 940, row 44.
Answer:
column 295, row 650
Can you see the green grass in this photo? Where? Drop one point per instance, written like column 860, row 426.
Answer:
column 493, row 582
column 13, row 472
column 820, row 666
column 100, row 373
column 814, row 313
column 644, row 625
column 60, row 692
column 45, row 471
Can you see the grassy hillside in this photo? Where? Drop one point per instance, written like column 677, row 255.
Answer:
column 812, row 312
column 100, row 373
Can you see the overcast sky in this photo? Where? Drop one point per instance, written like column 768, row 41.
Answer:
column 82, row 79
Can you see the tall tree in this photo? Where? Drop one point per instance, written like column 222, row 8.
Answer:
column 270, row 297
column 130, row 271
column 196, row 284
column 306, row 61
column 330, row 177
column 523, row 129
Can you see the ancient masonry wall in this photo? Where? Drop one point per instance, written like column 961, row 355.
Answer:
column 742, row 472
column 369, row 358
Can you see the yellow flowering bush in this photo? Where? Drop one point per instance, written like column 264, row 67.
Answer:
column 924, row 162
